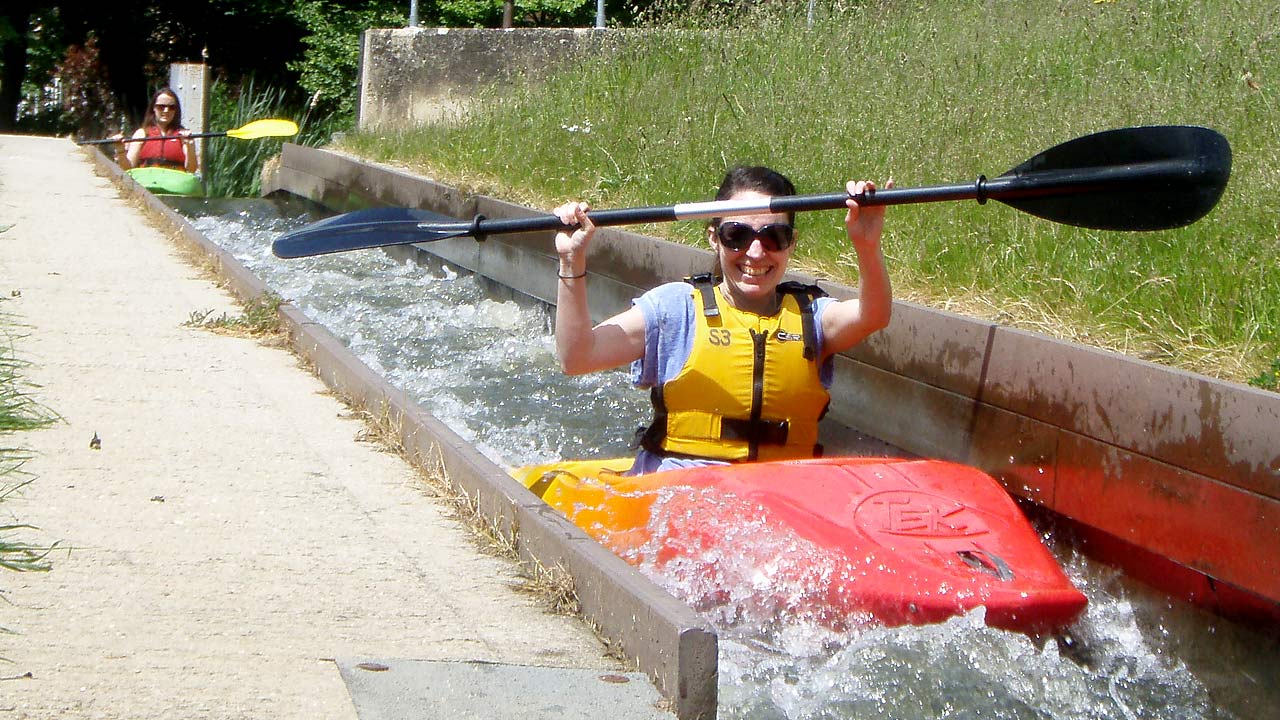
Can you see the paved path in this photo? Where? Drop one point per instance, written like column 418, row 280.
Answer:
column 232, row 534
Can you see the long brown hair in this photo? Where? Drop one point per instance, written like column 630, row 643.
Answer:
column 149, row 118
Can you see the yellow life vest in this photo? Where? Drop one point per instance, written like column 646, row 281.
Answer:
column 750, row 389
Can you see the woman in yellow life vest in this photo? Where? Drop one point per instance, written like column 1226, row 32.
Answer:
column 738, row 364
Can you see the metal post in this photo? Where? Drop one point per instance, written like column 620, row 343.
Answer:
column 413, row 13
column 600, row 14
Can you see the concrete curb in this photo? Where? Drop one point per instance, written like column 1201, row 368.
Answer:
column 664, row 638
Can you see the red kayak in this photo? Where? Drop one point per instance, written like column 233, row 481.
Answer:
column 842, row 540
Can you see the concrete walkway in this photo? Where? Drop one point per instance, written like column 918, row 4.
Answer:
column 232, row 535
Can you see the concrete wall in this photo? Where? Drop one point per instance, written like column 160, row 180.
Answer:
column 1173, row 475
column 414, row 75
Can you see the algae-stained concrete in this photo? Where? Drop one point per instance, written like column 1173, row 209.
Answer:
column 233, row 535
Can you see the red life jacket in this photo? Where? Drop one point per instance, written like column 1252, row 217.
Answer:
column 162, row 153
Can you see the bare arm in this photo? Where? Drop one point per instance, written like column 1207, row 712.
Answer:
column 135, row 149
column 581, row 347
column 191, row 159
column 849, row 322
column 122, row 153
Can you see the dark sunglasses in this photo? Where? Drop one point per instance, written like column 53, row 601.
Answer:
column 162, row 106
column 738, row 236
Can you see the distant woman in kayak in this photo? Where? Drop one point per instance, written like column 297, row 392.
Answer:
column 163, row 118
column 738, row 362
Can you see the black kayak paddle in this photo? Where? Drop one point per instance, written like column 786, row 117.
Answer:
column 1139, row 178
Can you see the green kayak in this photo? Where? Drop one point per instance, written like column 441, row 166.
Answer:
column 167, row 181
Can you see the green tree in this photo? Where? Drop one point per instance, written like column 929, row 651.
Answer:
column 309, row 48
column 513, row 13
column 15, row 34
column 87, row 105
column 136, row 40
column 328, row 66
column 330, row 62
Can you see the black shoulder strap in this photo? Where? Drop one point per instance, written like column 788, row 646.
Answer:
column 650, row 438
column 805, row 295
column 706, row 285
column 794, row 287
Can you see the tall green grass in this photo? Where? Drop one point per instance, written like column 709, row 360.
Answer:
column 233, row 168
column 928, row 93
column 18, row 412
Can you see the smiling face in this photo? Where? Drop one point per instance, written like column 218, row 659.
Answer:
column 751, row 275
column 166, row 110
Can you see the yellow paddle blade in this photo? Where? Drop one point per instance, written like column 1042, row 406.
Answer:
column 265, row 128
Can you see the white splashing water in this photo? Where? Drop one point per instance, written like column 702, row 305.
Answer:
column 486, row 368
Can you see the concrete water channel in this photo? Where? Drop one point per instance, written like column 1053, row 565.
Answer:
column 459, row 344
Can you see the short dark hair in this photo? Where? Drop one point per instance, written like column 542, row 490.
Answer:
column 752, row 177
column 758, row 178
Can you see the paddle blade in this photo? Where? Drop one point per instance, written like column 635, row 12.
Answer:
column 1140, row 178
column 265, row 128
column 362, row 229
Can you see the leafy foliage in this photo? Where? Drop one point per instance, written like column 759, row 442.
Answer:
column 309, row 48
column 527, row 13
column 1269, row 379
column 331, row 61
column 87, row 102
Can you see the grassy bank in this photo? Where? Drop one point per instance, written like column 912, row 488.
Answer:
column 931, row 93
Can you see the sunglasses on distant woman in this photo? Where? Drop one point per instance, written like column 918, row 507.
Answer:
column 738, row 236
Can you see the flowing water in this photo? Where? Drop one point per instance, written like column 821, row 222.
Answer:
column 486, row 367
